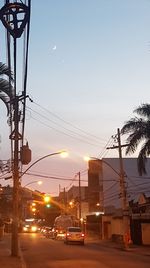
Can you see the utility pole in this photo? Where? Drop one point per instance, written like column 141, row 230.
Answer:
column 122, row 181
column 15, row 18
column 79, row 174
column 65, row 199
column 15, row 137
column 122, row 190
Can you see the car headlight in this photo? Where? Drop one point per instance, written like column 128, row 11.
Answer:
column 33, row 228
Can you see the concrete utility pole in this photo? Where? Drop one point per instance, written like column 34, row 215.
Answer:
column 122, row 191
column 65, row 203
column 15, row 18
column 80, row 214
column 122, row 180
column 14, row 245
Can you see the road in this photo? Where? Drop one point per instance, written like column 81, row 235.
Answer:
column 40, row 252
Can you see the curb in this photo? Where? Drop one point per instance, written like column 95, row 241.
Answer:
column 23, row 264
column 143, row 250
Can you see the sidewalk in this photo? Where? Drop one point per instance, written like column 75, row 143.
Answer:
column 141, row 250
column 6, row 260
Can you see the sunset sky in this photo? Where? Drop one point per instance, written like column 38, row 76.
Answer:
column 89, row 68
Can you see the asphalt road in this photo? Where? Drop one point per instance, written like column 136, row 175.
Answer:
column 40, row 252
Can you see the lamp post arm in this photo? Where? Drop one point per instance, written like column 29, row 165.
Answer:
column 103, row 161
column 41, row 158
column 110, row 167
column 29, row 183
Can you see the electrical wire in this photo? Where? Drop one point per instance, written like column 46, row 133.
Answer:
column 26, row 51
column 57, row 124
column 108, row 189
column 66, row 122
column 52, row 177
column 73, row 137
column 104, row 150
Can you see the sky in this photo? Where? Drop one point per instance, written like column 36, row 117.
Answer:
column 88, row 69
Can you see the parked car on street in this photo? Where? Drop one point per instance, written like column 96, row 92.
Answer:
column 60, row 234
column 74, row 234
column 48, row 232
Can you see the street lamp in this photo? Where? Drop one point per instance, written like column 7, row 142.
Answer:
column 15, row 202
column 62, row 153
column 88, row 158
column 38, row 182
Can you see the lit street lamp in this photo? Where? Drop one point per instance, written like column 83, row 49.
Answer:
column 38, row 182
column 62, row 153
column 15, row 203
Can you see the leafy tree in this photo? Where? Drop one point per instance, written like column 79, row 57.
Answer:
column 5, row 206
column 138, row 130
column 6, row 89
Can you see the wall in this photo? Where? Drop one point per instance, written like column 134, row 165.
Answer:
column 112, row 228
column 145, row 233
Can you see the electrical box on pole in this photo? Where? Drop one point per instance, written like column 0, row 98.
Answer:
column 25, row 154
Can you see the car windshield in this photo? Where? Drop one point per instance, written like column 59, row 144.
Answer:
column 74, row 229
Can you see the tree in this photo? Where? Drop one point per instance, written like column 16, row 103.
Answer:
column 6, row 89
column 138, row 129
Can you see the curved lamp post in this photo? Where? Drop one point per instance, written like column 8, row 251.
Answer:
column 38, row 182
column 63, row 153
column 15, row 233
column 88, row 158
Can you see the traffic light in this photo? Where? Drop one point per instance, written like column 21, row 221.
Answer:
column 47, row 199
column 48, row 205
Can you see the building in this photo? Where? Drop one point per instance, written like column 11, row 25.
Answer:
column 140, row 220
column 105, row 188
column 76, row 199
column 104, row 181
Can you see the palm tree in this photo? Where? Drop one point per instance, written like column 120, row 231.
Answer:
column 6, row 89
column 138, row 129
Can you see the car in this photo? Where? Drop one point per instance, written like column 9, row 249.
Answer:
column 74, row 234
column 60, row 235
column 48, row 232
column 42, row 229
column 30, row 228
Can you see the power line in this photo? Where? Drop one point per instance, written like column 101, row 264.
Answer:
column 66, row 122
column 73, row 137
column 104, row 150
column 52, row 177
column 66, row 129
column 112, row 186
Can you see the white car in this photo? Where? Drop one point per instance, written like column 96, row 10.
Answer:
column 74, row 234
